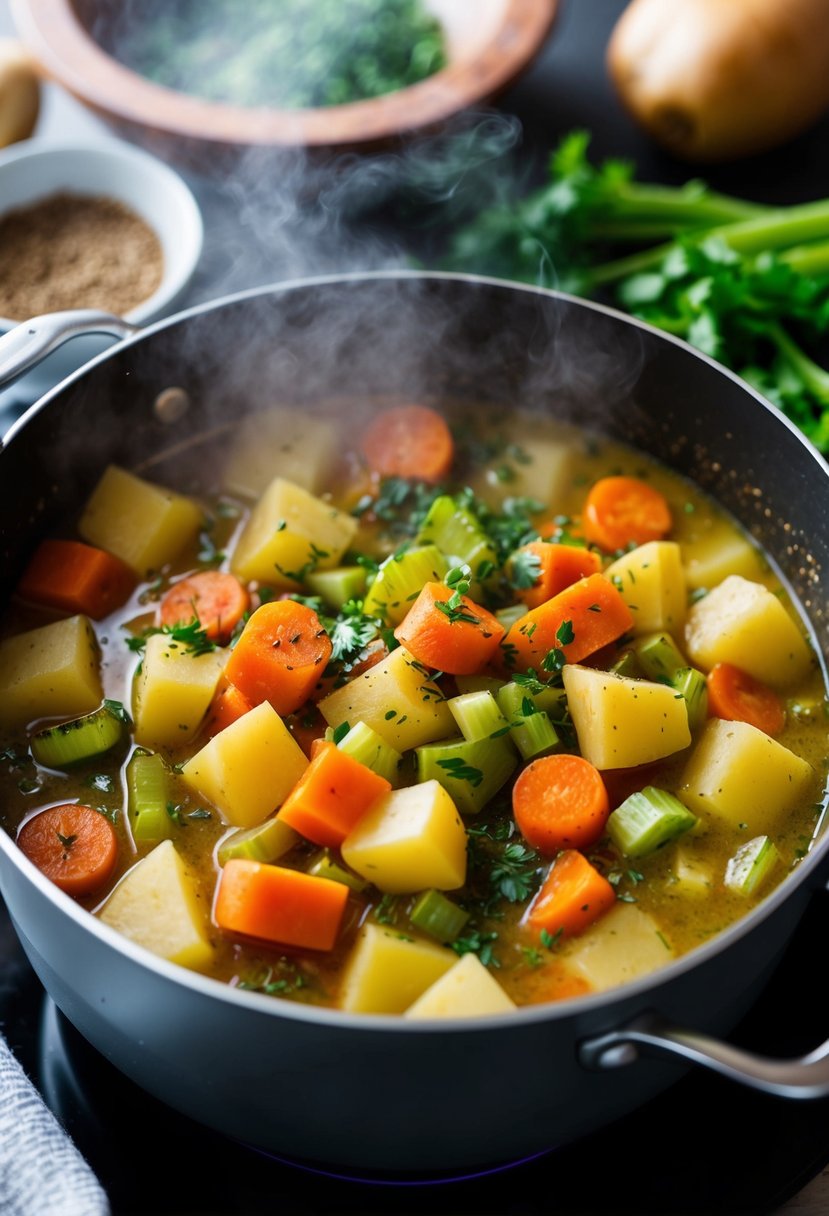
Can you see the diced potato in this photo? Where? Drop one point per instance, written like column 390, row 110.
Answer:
column 158, row 905
column 467, row 989
column 386, row 973
column 691, row 876
column 395, row 698
column 50, row 671
column 248, row 769
column 738, row 773
column 540, row 471
column 288, row 532
column 173, row 689
column 621, row 722
column 624, row 944
column 409, row 840
column 743, row 623
column 651, row 581
column 144, row 524
column 284, row 441
column 710, row 556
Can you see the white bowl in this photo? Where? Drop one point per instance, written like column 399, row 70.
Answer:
column 36, row 168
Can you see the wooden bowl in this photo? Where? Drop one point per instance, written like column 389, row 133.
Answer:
column 489, row 43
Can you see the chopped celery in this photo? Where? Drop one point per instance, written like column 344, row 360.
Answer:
column 471, row 773
column 751, row 865
column 325, row 866
column 438, row 916
column 646, row 820
column 533, row 732
column 511, row 697
column 459, row 536
column 478, row 715
column 659, row 656
column 627, row 665
column 148, row 793
column 691, row 684
column 338, row 586
column 363, row 743
column 81, row 739
column 266, row 842
column 397, row 583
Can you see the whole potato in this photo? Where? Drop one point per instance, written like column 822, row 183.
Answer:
column 19, row 93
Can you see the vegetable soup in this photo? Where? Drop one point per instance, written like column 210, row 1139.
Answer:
column 432, row 716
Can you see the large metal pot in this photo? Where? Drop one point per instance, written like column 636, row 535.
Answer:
column 374, row 1092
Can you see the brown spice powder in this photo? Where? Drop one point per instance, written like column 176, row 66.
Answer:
column 71, row 251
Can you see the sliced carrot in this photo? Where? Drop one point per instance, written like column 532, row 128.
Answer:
column 280, row 655
column 738, row 697
column 333, row 793
column 559, row 566
column 228, row 705
column 76, row 578
column 370, row 656
column 449, row 631
column 580, row 620
column 74, row 845
column 275, row 904
column 553, row 982
column 409, row 441
column 560, row 802
column 623, row 511
column 572, row 896
column 214, row 598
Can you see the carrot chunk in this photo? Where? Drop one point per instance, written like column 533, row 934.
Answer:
column 76, row 578
column 214, row 598
column 228, row 705
column 330, row 797
column 556, row 567
column 275, row 904
column 280, row 655
column 560, row 802
column 572, row 896
column 736, row 696
column 449, row 631
column 409, row 441
column 580, row 620
column 74, row 845
column 623, row 511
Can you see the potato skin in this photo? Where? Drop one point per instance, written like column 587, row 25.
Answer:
column 713, row 80
column 19, row 93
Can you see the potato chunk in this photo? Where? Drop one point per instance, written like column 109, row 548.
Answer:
column 738, row 773
column 158, row 905
column 283, row 441
column 651, row 581
column 621, row 722
column 50, row 671
column 743, row 623
column 173, row 690
column 711, row 555
column 467, row 989
column 624, row 944
column 396, row 699
column 409, row 840
column 386, row 973
column 247, row 769
column 144, row 524
column 288, row 532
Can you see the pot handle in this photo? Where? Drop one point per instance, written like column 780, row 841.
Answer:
column 800, row 1077
column 25, row 345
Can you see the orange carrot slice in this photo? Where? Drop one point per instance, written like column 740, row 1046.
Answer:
column 735, row 695
column 228, row 705
column 573, row 895
column 449, row 632
column 275, row 904
column 409, row 441
column 74, row 845
column 623, row 511
column 560, row 802
column 559, row 566
column 214, row 598
column 333, row 793
column 280, row 655
column 76, row 578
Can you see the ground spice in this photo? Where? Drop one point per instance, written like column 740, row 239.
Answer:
column 74, row 251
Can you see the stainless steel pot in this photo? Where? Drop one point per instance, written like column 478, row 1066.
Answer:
column 374, row 1092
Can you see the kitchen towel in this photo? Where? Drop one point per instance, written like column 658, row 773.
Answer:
column 41, row 1171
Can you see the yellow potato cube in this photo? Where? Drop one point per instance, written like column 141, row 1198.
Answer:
column 710, row 556
column 158, row 905
column 397, row 699
column 386, row 973
column 744, row 623
column 466, row 990
column 651, row 581
column 540, row 472
column 621, row 722
column 288, row 533
column 622, row 945
column 738, row 773
column 283, row 441
column 173, row 689
column 51, row 671
column 145, row 525
column 409, row 840
column 248, row 769
column 691, row 876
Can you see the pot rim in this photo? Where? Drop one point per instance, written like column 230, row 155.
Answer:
column 804, row 876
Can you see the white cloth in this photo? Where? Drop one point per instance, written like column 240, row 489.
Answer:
column 41, row 1171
